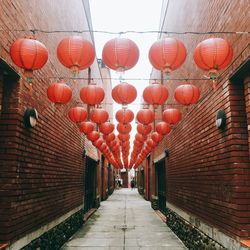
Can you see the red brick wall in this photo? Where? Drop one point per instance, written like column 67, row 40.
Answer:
column 42, row 168
column 208, row 169
column 247, row 98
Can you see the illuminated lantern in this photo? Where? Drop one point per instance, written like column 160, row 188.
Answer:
column 155, row 136
column 120, row 54
column 162, row 128
column 92, row 94
column 124, row 115
column 213, row 54
column 28, row 54
column 75, row 53
column 123, row 128
column 59, row 92
column 145, row 116
column 99, row 115
column 171, row 115
column 167, row 54
column 124, row 93
column 143, row 129
column 77, row 114
column 86, row 127
column 187, row 94
column 93, row 136
column 155, row 94
column 106, row 128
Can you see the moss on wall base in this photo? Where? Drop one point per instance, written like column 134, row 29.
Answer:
column 193, row 238
column 154, row 202
column 58, row 235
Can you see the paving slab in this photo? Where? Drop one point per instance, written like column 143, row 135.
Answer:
column 124, row 222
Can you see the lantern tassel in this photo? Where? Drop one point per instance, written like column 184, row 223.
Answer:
column 213, row 77
column 27, row 82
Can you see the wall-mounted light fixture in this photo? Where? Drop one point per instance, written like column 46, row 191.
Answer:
column 30, row 117
column 220, row 119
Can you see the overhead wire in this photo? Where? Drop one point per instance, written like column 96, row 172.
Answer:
column 35, row 30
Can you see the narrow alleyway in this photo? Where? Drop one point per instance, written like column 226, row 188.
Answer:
column 124, row 222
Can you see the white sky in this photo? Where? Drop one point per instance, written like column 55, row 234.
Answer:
column 124, row 15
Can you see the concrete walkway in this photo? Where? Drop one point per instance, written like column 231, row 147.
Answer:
column 124, row 222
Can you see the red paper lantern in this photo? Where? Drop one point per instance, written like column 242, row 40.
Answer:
column 77, row 114
column 110, row 137
column 103, row 147
column 75, row 53
column 143, row 129
column 171, row 115
column 213, row 54
column 59, row 92
column 106, row 128
column 140, row 137
column 120, row 54
column 156, row 137
column 145, row 116
column 187, row 94
column 124, row 115
column 92, row 94
column 125, row 144
column 28, row 54
column 99, row 115
column 124, row 93
column 151, row 143
column 98, row 143
column 123, row 137
column 86, row 127
column 138, row 143
column 123, row 128
column 167, row 54
column 163, row 128
column 155, row 94
column 113, row 143
column 93, row 136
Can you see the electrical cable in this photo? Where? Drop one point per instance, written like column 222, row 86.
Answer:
column 35, row 30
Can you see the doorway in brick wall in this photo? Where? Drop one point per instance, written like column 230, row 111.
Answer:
column 10, row 123
column 110, row 180
column 124, row 177
column 103, row 186
column 141, row 187
column 90, row 184
column 240, row 102
column 161, row 184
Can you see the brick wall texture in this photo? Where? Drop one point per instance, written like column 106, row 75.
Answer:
column 208, row 170
column 41, row 175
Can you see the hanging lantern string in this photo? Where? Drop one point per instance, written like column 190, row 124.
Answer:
column 127, row 79
column 140, row 103
column 128, row 31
